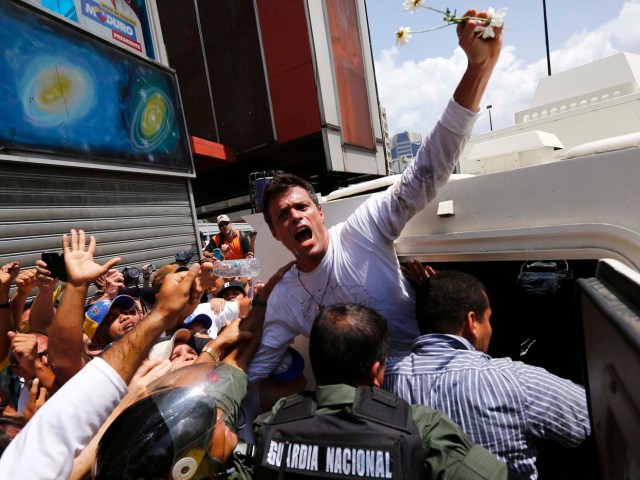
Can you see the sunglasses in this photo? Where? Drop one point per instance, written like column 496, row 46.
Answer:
column 223, row 224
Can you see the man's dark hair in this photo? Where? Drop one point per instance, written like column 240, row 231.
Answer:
column 345, row 341
column 282, row 183
column 9, row 428
column 448, row 298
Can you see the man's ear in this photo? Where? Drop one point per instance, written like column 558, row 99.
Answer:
column 376, row 375
column 469, row 328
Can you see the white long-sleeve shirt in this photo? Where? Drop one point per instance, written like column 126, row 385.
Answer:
column 361, row 265
column 66, row 423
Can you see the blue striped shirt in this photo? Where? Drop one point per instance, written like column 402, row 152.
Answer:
column 499, row 403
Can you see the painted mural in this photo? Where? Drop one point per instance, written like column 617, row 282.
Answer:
column 64, row 92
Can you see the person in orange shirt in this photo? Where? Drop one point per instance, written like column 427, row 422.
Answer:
column 233, row 244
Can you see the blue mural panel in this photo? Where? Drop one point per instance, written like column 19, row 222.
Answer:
column 66, row 92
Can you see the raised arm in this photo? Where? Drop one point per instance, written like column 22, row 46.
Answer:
column 8, row 273
column 482, row 56
column 42, row 310
column 65, row 334
column 242, row 348
column 179, row 293
column 110, row 284
column 25, row 283
column 148, row 372
column 384, row 215
column 86, row 401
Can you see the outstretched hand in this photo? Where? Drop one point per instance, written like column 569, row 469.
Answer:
column 265, row 290
column 37, row 397
column 78, row 259
column 231, row 334
column 26, row 281
column 44, row 280
column 148, row 372
column 113, row 282
column 417, row 273
column 8, row 273
column 179, row 296
column 207, row 278
column 25, row 349
column 217, row 305
column 482, row 55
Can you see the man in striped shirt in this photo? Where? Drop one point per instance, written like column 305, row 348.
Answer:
column 501, row 404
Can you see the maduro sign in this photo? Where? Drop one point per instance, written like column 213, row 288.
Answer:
column 114, row 19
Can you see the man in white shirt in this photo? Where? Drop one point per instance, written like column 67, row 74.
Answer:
column 355, row 261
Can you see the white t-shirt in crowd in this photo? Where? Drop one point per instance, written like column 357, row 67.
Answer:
column 66, row 423
column 230, row 312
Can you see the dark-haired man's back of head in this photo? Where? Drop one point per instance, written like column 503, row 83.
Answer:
column 346, row 340
column 444, row 304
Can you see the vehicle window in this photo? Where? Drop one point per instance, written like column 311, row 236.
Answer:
column 539, row 329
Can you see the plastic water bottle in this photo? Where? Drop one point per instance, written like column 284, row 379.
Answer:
column 246, row 267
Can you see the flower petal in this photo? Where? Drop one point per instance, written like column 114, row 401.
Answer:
column 497, row 20
column 403, row 34
column 412, row 5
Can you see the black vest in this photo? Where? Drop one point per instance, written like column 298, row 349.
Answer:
column 375, row 437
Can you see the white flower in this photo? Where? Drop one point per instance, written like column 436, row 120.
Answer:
column 412, row 5
column 484, row 31
column 403, row 34
column 496, row 20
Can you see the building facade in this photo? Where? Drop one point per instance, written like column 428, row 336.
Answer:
column 159, row 112
column 93, row 135
column 404, row 147
column 588, row 103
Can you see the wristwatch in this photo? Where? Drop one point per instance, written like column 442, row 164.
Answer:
column 258, row 301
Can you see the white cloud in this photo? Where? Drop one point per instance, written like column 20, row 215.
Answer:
column 414, row 93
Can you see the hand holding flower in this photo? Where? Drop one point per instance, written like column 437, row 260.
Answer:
column 487, row 27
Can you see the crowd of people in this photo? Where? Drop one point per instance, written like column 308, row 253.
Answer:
column 193, row 376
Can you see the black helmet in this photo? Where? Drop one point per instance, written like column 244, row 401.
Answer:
column 166, row 435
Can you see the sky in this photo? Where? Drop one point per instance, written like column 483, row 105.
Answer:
column 415, row 81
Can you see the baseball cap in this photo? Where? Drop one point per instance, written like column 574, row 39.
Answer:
column 96, row 314
column 229, row 285
column 222, row 218
column 162, row 350
column 202, row 318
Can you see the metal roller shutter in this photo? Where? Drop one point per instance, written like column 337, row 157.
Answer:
column 141, row 218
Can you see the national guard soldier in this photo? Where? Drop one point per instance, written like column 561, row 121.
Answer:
column 349, row 428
